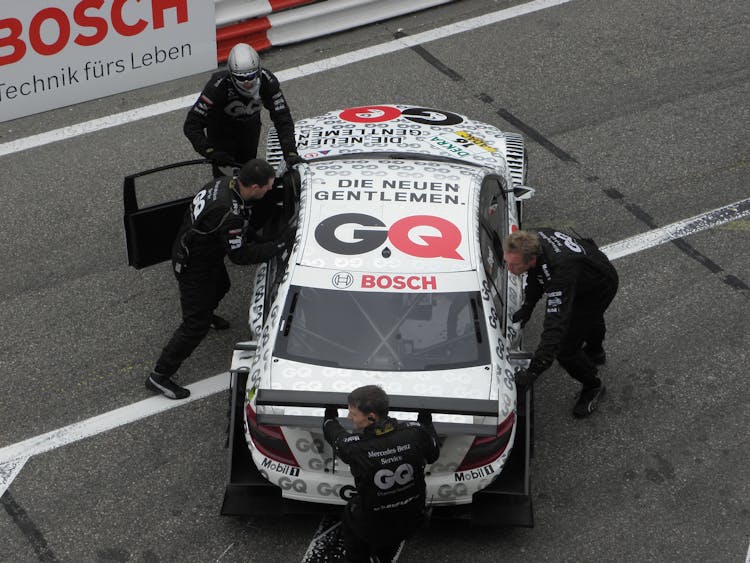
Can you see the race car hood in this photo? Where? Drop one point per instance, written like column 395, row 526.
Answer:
column 401, row 129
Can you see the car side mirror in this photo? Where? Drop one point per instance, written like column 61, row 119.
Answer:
column 523, row 192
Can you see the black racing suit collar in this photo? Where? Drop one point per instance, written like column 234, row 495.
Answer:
column 380, row 427
column 234, row 188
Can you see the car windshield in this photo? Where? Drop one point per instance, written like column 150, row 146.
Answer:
column 385, row 331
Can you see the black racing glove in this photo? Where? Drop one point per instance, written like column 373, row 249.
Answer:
column 286, row 237
column 524, row 378
column 292, row 159
column 331, row 413
column 424, row 417
column 523, row 314
column 221, row 158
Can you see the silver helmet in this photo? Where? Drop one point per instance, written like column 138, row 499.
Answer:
column 244, row 68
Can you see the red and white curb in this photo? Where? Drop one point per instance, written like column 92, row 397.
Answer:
column 299, row 20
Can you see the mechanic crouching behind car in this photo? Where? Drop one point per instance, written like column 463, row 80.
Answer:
column 219, row 222
column 580, row 283
column 387, row 459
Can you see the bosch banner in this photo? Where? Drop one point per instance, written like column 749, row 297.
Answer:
column 62, row 52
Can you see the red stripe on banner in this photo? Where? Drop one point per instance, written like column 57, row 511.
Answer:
column 277, row 5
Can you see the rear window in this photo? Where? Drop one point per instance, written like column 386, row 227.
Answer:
column 384, row 331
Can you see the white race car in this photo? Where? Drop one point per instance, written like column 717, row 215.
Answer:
column 396, row 278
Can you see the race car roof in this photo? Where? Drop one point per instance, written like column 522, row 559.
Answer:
column 389, row 216
column 401, row 128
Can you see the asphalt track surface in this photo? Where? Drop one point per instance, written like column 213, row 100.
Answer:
column 636, row 117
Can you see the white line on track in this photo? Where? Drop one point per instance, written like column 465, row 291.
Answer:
column 13, row 457
column 160, row 108
column 680, row 229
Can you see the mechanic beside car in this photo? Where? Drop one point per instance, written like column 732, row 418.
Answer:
column 387, row 460
column 580, row 283
column 224, row 123
column 221, row 221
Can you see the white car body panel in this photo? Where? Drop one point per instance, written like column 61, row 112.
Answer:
column 434, row 247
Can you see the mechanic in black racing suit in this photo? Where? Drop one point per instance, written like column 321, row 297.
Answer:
column 580, row 283
column 387, row 459
column 224, row 123
column 219, row 222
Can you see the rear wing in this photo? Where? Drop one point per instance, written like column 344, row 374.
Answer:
column 435, row 405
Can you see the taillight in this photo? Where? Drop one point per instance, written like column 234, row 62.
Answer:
column 486, row 449
column 269, row 440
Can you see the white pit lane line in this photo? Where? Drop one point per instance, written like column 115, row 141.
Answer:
column 13, row 457
column 160, row 108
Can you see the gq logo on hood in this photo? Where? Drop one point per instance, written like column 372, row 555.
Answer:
column 357, row 233
column 62, row 52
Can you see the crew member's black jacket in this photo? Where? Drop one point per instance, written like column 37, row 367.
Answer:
column 387, row 461
column 217, row 225
column 221, row 110
column 570, row 271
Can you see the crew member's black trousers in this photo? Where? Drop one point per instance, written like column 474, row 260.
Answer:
column 363, row 539
column 586, row 327
column 200, row 293
column 240, row 140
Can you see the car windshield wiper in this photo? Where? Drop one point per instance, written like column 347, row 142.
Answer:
column 477, row 325
column 290, row 316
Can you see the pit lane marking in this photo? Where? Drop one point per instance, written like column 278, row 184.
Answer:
column 287, row 75
column 680, row 229
column 14, row 456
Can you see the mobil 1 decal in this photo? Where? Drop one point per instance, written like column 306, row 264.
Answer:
column 421, row 236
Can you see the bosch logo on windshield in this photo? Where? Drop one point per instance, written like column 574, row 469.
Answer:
column 342, row 280
column 423, row 236
column 370, row 281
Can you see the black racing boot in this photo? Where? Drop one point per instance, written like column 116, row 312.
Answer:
column 588, row 399
column 159, row 383
column 219, row 323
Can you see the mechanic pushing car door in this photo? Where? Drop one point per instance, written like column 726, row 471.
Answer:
column 580, row 283
column 219, row 222
column 224, row 123
column 387, row 459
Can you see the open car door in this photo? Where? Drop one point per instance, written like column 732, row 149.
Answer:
column 152, row 219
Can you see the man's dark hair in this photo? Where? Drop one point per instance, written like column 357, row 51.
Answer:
column 256, row 171
column 369, row 398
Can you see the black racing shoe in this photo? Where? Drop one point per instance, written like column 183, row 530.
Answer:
column 159, row 383
column 587, row 400
column 219, row 323
column 599, row 357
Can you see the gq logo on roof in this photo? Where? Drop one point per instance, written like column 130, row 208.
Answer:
column 357, row 233
column 377, row 114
